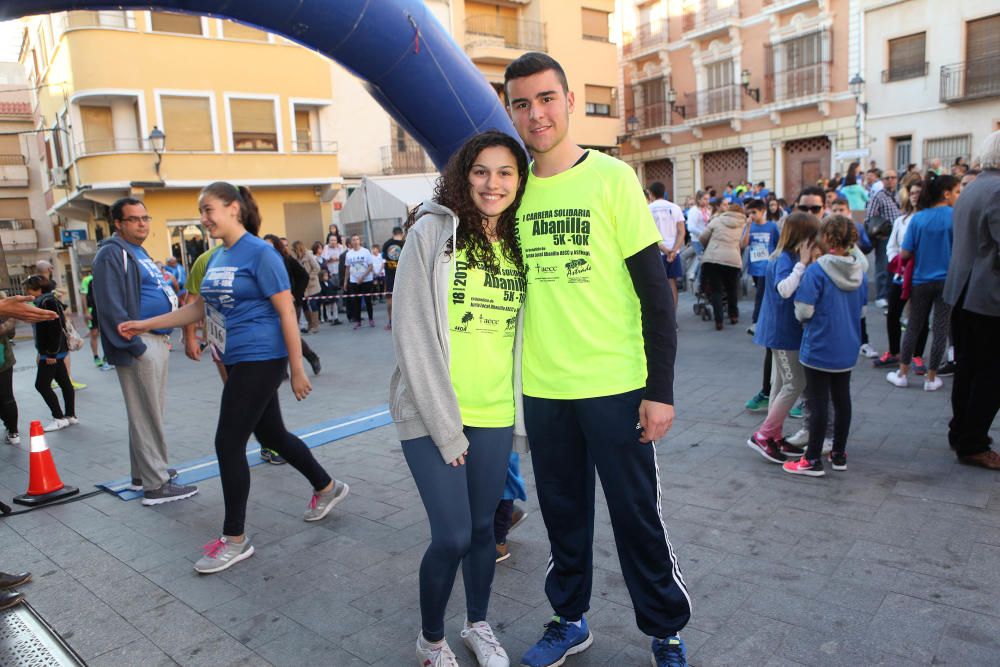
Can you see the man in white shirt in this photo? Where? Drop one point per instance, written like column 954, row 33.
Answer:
column 669, row 219
column 359, row 281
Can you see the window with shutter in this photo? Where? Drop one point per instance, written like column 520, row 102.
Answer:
column 98, row 131
column 595, row 25
column 184, row 24
column 233, row 30
column 254, row 127
column 600, row 100
column 983, row 56
column 187, row 122
column 906, row 57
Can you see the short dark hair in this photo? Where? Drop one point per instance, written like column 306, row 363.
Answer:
column 811, row 191
column 119, row 206
column 40, row 283
column 658, row 189
column 531, row 63
column 761, row 184
column 755, row 204
column 397, row 230
column 841, row 201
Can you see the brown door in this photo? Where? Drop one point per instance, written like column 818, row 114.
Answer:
column 806, row 161
column 662, row 171
column 721, row 167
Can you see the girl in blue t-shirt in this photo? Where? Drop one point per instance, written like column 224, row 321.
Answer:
column 928, row 241
column 781, row 333
column 829, row 303
column 246, row 302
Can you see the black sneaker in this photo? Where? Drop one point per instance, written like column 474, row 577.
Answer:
column 335, row 322
column 168, row 493
column 314, row 363
column 271, row 456
column 838, row 461
column 947, row 370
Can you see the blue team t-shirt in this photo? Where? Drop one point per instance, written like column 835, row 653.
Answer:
column 777, row 327
column 154, row 290
column 763, row 241
column 831, row 338
column 929, row 238
column 238, row 285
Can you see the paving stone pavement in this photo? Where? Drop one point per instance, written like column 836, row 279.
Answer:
column 894, row 562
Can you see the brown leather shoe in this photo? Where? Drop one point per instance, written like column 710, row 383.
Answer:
column 988, row 459
column 14, row 580
column 10, row 599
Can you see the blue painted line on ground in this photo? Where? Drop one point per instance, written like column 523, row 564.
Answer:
column 317, row 435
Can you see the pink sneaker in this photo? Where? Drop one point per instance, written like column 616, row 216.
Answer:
column 765, row 447
column 357, row 325
column 371, row 323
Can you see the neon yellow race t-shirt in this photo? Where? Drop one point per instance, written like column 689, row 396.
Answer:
column 582, row 325
column 482, row 314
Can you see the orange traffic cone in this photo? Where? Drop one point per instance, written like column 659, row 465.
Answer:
column 44, row 484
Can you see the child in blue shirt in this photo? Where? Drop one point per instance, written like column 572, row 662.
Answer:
column 781, row 333
column 763, row 240
column 829, row 303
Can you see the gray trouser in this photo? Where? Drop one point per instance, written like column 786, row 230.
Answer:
column 144, row 386
column 922, row 299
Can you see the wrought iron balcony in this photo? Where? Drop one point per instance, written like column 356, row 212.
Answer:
column 713, row 104
column 710, row 16
column 649, row 116
column 797, row 83
column 503, row 31
column 405, row 160
column 13, row 170
column 971, row 80
column 647, row 37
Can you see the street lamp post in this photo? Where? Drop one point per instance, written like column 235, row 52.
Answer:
column 157, row 140
column 857, row 87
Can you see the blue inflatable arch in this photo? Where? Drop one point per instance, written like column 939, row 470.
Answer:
column 409, row 63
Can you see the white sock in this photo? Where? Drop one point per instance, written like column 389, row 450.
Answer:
column 426, row 644
column 578, row 624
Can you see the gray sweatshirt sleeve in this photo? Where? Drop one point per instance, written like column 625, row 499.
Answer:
column 420, row 356
column 110, row 285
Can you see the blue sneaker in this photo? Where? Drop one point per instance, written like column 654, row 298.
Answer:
column 669, row 652
column 561, row 639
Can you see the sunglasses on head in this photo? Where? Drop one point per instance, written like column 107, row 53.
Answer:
column 810, row 209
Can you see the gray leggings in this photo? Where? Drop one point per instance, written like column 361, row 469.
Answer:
column 922, row 299
column 460, row 503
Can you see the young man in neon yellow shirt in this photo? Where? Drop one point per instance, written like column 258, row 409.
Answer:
column 599, row 347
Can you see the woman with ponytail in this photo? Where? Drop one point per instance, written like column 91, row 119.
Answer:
column 250, row 323
column 928, row 241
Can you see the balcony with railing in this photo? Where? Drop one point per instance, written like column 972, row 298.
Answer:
column 648, row 37
column 797, row 84
column 711, row 17
column 714, row 105
column 13, row 171
column 18, row 234
column 405, row 160
column 902, row 72
column 972, row 80
column 313, row 146
column 499, row 40
column 648, row 118
column 114, row 145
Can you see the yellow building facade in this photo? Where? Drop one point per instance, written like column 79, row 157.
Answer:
column 232, row 103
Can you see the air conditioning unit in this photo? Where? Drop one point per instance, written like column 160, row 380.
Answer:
column 57, row 176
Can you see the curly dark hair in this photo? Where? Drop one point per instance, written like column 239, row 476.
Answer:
column 453, row 190
column 839, row 232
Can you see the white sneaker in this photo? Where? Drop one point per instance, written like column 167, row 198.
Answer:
column 868, row 351
column 894, row 378
column 933, row 385
column 72, row 420
column 479, row 639
column 827, row 446
column 881, row 303
column 12, row 438
column 799, row 439
column 56, row 425
column 435, row 655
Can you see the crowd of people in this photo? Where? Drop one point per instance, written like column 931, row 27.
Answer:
column 536, row 303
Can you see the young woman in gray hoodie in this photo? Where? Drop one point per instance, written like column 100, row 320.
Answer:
column 454, row 394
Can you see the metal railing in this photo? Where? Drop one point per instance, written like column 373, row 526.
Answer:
column 651, row 116
column 12, row 160
column 971, row 80
column 899, row 73
column 721, row 102
column 405, row 160
column 315, row 146
column 710, row 13
column 512, row 33
column 120, row 19
column 646, row 37
column 798, row 82
column 16, row 223
column 95, row 146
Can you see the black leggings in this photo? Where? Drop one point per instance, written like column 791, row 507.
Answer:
column 43, row 384
column 354, row 302
column 758, row 297
column 765, row 386
column 717, row 279
column 893, row 326
column 250, row 405
column 821, row 387
column 8, row 406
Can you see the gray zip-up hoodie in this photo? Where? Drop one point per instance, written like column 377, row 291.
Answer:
column 845, row 271
column 422, row 399
column 117, row 286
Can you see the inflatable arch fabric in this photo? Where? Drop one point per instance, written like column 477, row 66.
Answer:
column 409, row 63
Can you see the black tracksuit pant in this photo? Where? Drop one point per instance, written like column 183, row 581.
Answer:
column 975, row 391
column 569, row 440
